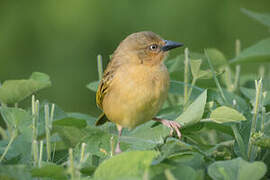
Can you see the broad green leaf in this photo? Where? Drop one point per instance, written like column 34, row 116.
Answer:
column 263, row 18
column 78, row 123
column 13, row 91
column 126, row 165
column 145, row 137
column 50, row 170
column 177, row 87
column 89, row 119
column 16, row 118
column 194, row 112
column 93, row 86
column 256, row 53
column 70, row 136
column 97, row 141
column 217, row 58
column 225, row 114
column 195, row 66
column 251, row 94
column 237, row 169
column 184, row 172
column 234, row 100
column 197, row 73
column 14, row 172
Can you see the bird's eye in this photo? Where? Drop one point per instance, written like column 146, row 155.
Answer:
column 153, row 47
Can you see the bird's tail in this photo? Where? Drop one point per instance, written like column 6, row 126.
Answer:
column 102, row 119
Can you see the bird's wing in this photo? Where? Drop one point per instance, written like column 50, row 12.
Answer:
column 102, row 119
column 105, row 83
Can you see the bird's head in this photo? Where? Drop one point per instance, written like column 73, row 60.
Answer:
column 145, row 47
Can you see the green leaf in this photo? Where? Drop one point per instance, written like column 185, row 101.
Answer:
column 16, row 118
column 195, row 66
column 126, row 165
column 93, row 86
column 14, row 172
column 13, row 91
column 194, row 112
column 89, row 119
column 184, row 172
column 251, row 94
column 78, row 123
column 97, row 140
column 145, row 137
column 226, row 114
column 217, row 58
column 177, row 87
column 263, row 18
column 50, row 170
column 237, row 169
column 256, row 53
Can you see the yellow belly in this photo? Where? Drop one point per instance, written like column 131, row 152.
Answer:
column 136, row 94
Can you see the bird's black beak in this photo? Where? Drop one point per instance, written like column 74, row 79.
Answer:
column 170, row 45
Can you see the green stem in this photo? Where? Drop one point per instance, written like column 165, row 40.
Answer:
column 239, row 140
column 71, row 164
column 186, row 62
column 258, row 85
column 236, row 77
column 112, row 146
column 100, row 67
column 238, row 67
column 191, row 88
column 40, row 153
column 47, row 129
column 35, row 152
column 215, row 78
column 82, row 152
column 14, row 135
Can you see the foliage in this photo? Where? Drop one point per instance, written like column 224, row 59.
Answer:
column 225, row 128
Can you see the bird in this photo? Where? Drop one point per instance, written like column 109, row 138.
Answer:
column 135, row 83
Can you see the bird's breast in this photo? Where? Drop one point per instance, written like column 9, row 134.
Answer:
column 136, row 94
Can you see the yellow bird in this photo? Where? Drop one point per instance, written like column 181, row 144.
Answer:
column 135, row 83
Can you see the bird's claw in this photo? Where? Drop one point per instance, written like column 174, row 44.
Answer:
column 173, row 125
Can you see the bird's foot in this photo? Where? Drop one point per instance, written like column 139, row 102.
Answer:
column 117, row 149
column 173, row 125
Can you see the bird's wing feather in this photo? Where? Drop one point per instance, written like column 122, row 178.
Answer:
column 102, row 119
column 105, row 83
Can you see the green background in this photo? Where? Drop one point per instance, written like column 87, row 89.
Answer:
column 63, row 37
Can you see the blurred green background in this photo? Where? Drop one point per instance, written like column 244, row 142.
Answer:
column 63, row 37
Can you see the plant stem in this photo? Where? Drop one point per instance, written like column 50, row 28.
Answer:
column 215, row 78
column 258, row 85
column 239, row 140
column 52, row 114
column 263, row 112
column 35, row 152
column 99, row 66
column 169, row 175
column 186, row 62
column 47, row 129
column 191, row 88
column 238, row 67
column 112, row 146
column 82, row 152
column 40, row 153
column 71, row 164
column 14, row 135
